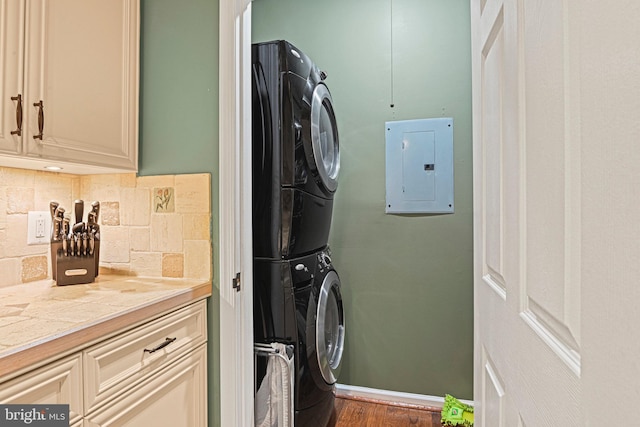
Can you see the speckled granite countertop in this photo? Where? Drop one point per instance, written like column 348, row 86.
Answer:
column 40, row 321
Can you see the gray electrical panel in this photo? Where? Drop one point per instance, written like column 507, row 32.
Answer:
column 419, row 166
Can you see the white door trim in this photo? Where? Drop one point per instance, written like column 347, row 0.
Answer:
column 236, row 307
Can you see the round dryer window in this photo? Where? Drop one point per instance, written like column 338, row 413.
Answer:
column 330, row 328
column 324, row 137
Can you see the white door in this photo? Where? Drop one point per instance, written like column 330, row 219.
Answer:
column 527, row 214
column 556, row 107
column 236, row 257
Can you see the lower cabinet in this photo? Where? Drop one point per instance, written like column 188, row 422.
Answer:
column 59, row 382
column 174, row 397
column 152, row 375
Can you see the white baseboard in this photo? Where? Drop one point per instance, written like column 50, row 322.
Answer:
column 343, row 390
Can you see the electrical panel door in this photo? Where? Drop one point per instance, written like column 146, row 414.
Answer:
column 419, row 166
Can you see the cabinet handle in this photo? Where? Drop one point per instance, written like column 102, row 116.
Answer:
column 18, row 131
column 160, row 346
column 40, row 106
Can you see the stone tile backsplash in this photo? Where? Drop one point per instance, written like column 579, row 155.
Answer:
column 158, row 226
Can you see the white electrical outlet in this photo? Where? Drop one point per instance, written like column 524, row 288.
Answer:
column 38, row 227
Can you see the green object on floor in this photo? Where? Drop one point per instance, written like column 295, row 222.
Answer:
column 456, row 413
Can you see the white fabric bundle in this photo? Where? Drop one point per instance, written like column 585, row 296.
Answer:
column 274, row 398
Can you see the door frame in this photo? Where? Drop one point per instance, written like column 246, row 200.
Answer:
column 235, row 250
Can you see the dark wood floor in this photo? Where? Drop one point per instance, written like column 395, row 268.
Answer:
column 361, row 413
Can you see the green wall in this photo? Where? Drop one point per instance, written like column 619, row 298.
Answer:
column 179, row 116
column 407, row 280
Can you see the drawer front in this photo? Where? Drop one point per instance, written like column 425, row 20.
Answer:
column 59, row 382
column 116, row 364
column 174, row 397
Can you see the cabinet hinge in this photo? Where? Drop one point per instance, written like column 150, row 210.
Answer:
column 236, row 282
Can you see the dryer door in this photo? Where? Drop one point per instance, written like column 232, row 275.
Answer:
column 330, row 328
column 324, row 137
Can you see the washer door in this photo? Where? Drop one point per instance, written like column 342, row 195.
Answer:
column 330, row 328
column 324, row 137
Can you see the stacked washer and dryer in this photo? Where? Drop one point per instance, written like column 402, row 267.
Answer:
column 296, row 161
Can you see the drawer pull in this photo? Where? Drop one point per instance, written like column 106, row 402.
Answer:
column 161, row 345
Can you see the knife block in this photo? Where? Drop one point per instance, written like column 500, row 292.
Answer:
column 55, row 248
column 75, row 269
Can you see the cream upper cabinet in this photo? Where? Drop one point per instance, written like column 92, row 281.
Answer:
column 11, row 74
column 75, row 66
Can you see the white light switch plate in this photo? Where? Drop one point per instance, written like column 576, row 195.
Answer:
column 38, row 227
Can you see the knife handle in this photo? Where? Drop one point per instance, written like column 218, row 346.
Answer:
column 92, row 218
column 92, row 243
column 95, row 207
column 78, row 207
column 57, row 226
column 52, row 208
column 78, row 228
column 85, row 244
column 65, row 226
column 72, row 245
column 95, row 230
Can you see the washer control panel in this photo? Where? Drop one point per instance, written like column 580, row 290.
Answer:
column 324, row 260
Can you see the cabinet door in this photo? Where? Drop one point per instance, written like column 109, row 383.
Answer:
column 11, row 70
column 82, row 63
column 175, row 397
column 59, row 382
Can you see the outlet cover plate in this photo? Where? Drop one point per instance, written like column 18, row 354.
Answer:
column 38, row 227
